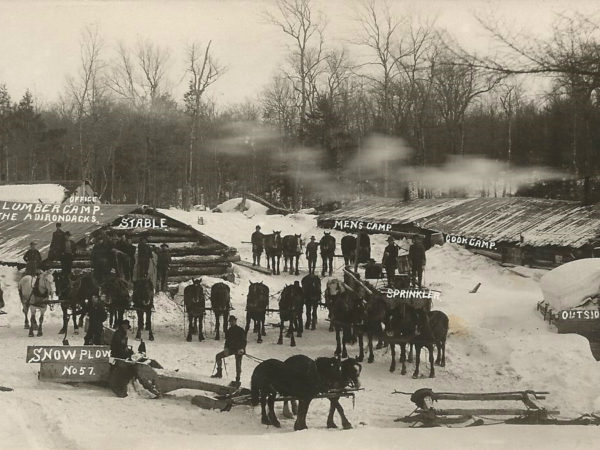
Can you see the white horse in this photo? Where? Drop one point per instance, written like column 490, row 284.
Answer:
column 32, row 302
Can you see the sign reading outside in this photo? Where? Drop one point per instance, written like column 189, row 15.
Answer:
column 71, row 364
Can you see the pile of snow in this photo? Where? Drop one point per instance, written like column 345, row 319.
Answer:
column 250, row 209
column 569, row 285
column 33, row 193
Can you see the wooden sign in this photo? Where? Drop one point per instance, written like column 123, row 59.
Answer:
column 71, row 364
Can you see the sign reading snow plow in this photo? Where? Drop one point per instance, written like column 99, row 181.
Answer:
column 71, row 364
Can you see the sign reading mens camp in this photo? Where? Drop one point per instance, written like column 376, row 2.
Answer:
column 49, row 212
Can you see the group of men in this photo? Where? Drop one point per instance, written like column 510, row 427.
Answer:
column 416, row 258
column 62, row 248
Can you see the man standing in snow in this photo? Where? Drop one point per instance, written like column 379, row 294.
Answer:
column 311, row 254
column 257, row 240
column 97, row 315
column 235, row 344
column 390, row 260
column 162, row 266
column 416, row 256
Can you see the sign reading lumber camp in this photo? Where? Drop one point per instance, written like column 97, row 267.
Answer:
column 49, row 212
column 71, row 364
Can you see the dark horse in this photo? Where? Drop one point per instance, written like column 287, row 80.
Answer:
column 116, row 290
column 291, row 304
column 374, row 316
column 348, row 244
column 73, row 291
column 257, row 303
column 345, row 310
column 408, row 325
column 311, row 289
column 304, row 379
column 327, row 244
column 292, row 248
column 273, row 250
column 195, row 305
column 220, row 302
column 143, row 302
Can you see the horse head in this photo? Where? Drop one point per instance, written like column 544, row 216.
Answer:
column 350, row 372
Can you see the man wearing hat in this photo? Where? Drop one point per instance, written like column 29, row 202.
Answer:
column 416, row 256
column 162, row 266
column 33, row 259
column 235, row 344
column 143, row 256
column 311, row 254
column 57, row 245
column 258, row 243
column 118, row 344
column 97, row 316
column 68, row 254
column 390, row 260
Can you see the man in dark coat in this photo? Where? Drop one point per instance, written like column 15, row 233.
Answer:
column 97, row 315
column 125, row 246
column 235, row 344
column 311, row 254
column 416, row 256
column 66, row 259
column 144, row 253
column 57, row 245
column 258, row 244
column 390, row 260
column 118, row 344
column 33, row 259
column 162, row 266
column 101, row 258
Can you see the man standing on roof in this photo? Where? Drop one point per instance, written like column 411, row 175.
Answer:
column 162, row 267
column 258, row 244
column 66, row 259
column 57, row 245
column 33, row 259
column 311, row 254
column 390, row 260
column 416, row 256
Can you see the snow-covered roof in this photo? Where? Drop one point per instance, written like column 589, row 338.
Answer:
column 567, row 286
column 33, row 193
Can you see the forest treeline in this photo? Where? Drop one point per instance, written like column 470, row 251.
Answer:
column 326, row 126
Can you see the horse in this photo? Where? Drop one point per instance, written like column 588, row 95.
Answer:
column 333, row 288
column 257, row 303
column 34, row 293
column 292, row 248
column 374, row 316
column 273, row 249
column 291, row 304
column 195, row 305
column 143, row 302
column 116, row 290
column 311, row 289
column 220, row 301
column 348, row 244
column 327, row 244
column 304, row 379
column 401, row 328
column 345, row 311
column 364, row 247
column 72, row 292
column 432, row 329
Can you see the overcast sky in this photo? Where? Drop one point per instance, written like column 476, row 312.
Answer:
column 39, row 41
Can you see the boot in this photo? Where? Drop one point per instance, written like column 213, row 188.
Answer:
column 39, row 333
column 138, row 335
column 150, row 336
column 235, row 384
column 218, row 373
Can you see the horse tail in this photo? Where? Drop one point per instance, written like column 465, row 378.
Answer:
column 254, row 389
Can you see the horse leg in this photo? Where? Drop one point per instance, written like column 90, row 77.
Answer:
column 330, row 421
column 410, row 352
column 200, row 331
column 140, row 323
column 361, row 352
column 272, row 416
column 338, row 347
column 25, row 312
column 293, row 341
column 39, row 330
column 443, row 364
column 75, row 324
column 431, row 363
column 324, row 265
column 302, row 413
column 261, row 328
column 287, row 413
column 280, row 341
column 190, row 323
column 278, row 264
column 370, row 344
column 417, row 360
column 314, row 317
column 65, row 311
column 297, row 259
column 285, row 264
column 261, row 323
column 438, row 358
column 403, row 358
column 345, row 332
column 393, row 350
column 32, row 319
column 345, row 422
column 307, row 324
column 263, row 410
column 330, row 265
column 379, row 344
column 217, row 326
column 299, row 325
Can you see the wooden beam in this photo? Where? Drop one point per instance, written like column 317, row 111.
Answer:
column 490, row 412
column 484, row 396
column 203, row 259
column 201, row 270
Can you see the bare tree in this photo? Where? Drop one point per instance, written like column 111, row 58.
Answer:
column 203, row 71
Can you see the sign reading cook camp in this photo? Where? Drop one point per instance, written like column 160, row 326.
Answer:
column 71, row 364
column 48, row 212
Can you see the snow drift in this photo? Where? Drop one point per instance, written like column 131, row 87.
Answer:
column 568, row 286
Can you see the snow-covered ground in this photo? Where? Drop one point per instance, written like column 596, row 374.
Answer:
column 497, row 342
column 33, row 193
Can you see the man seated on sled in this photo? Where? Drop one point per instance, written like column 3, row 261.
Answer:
column 118, row 345
column 235, row 344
